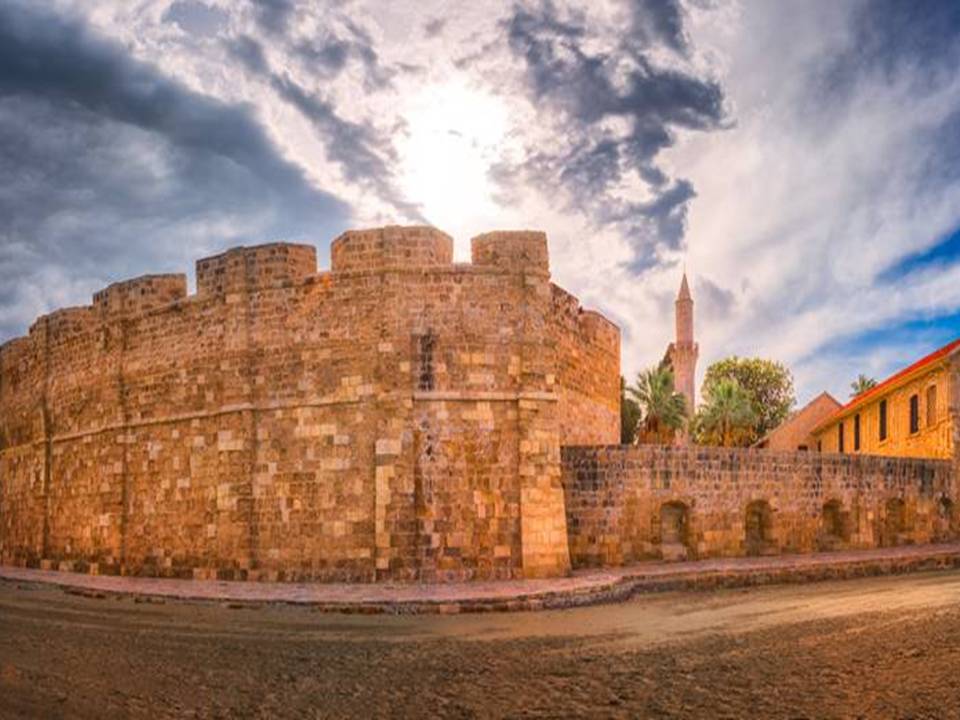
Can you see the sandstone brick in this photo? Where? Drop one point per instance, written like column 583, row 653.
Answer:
column 288, row 424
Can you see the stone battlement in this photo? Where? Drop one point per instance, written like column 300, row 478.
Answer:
column 514, row 251
column 140, row 294
column 251, row 268
column 390, row 247
column 355, row 424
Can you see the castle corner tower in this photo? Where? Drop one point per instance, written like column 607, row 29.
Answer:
column 684, row 351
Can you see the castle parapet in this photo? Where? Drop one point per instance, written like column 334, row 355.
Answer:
column 600, row 331
column 66, row 322
column 515, row 250
column 393, row 246
column 260, row 266
column 140, row 294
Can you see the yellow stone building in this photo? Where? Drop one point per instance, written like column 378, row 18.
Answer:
column 907, row 415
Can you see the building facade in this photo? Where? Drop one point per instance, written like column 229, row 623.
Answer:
column 913, row 413
column 796, row 432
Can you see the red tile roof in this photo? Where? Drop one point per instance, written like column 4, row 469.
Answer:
column 891, row 382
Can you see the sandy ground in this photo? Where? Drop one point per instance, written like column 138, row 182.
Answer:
column 876, row 648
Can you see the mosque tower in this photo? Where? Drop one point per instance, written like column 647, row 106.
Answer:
column 684, row 351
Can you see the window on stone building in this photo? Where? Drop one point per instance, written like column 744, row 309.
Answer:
column 883, row 419
column 856, row 432
column 819, row 445
column 931, row 406
column 840, row 437
column 914, row 414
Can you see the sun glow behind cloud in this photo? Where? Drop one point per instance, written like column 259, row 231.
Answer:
column 801, row 159
column 455, row 132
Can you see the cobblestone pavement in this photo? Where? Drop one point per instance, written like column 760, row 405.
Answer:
column 583, row 587
column 886, row 647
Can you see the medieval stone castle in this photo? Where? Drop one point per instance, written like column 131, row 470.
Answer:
column 399, row 417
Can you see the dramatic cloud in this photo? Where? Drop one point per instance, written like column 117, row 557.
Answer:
column 364, row 158
column 615, row 108
column 800, row 159
column 197, row 18
column 274, row 15
column 112, row 169
column 810, row 209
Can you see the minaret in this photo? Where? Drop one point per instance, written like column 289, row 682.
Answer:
column 683, row 352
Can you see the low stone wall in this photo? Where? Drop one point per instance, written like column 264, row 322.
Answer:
column 626, row 503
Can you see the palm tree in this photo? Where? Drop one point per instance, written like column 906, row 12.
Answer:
column 861, row 385
column 664, row 409
column 727, row 418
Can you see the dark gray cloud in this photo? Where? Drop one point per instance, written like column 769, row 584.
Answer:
column 329, row 53
column 658, row 21
column 196, row 18
column 274, row 15
column 363, row 156
column 111, row 169
column 584, row 89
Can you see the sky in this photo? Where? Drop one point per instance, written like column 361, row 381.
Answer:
column 801, row 159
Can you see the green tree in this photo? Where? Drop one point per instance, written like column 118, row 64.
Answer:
column 664, row 409
column 769, row 385
column 861, row 385
column 727, row 417
column 630, row 415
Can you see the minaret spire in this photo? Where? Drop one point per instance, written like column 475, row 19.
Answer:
column 684, row 350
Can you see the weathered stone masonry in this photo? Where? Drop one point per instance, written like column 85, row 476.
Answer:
column 399, row 417
column 629, row 503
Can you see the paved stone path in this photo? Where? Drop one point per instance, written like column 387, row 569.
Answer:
column 583, row 587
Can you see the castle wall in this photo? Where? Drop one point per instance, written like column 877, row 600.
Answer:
column 616, row 498
column 588, row 372
column 23, row 461
column 394, row 418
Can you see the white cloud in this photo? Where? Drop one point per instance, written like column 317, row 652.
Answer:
column 821, row 182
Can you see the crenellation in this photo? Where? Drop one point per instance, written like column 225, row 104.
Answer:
column 132, row 297
column 242, row 269
column 391, row 247
column 512, row 251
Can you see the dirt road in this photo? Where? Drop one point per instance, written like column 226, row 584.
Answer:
column 877, row 648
